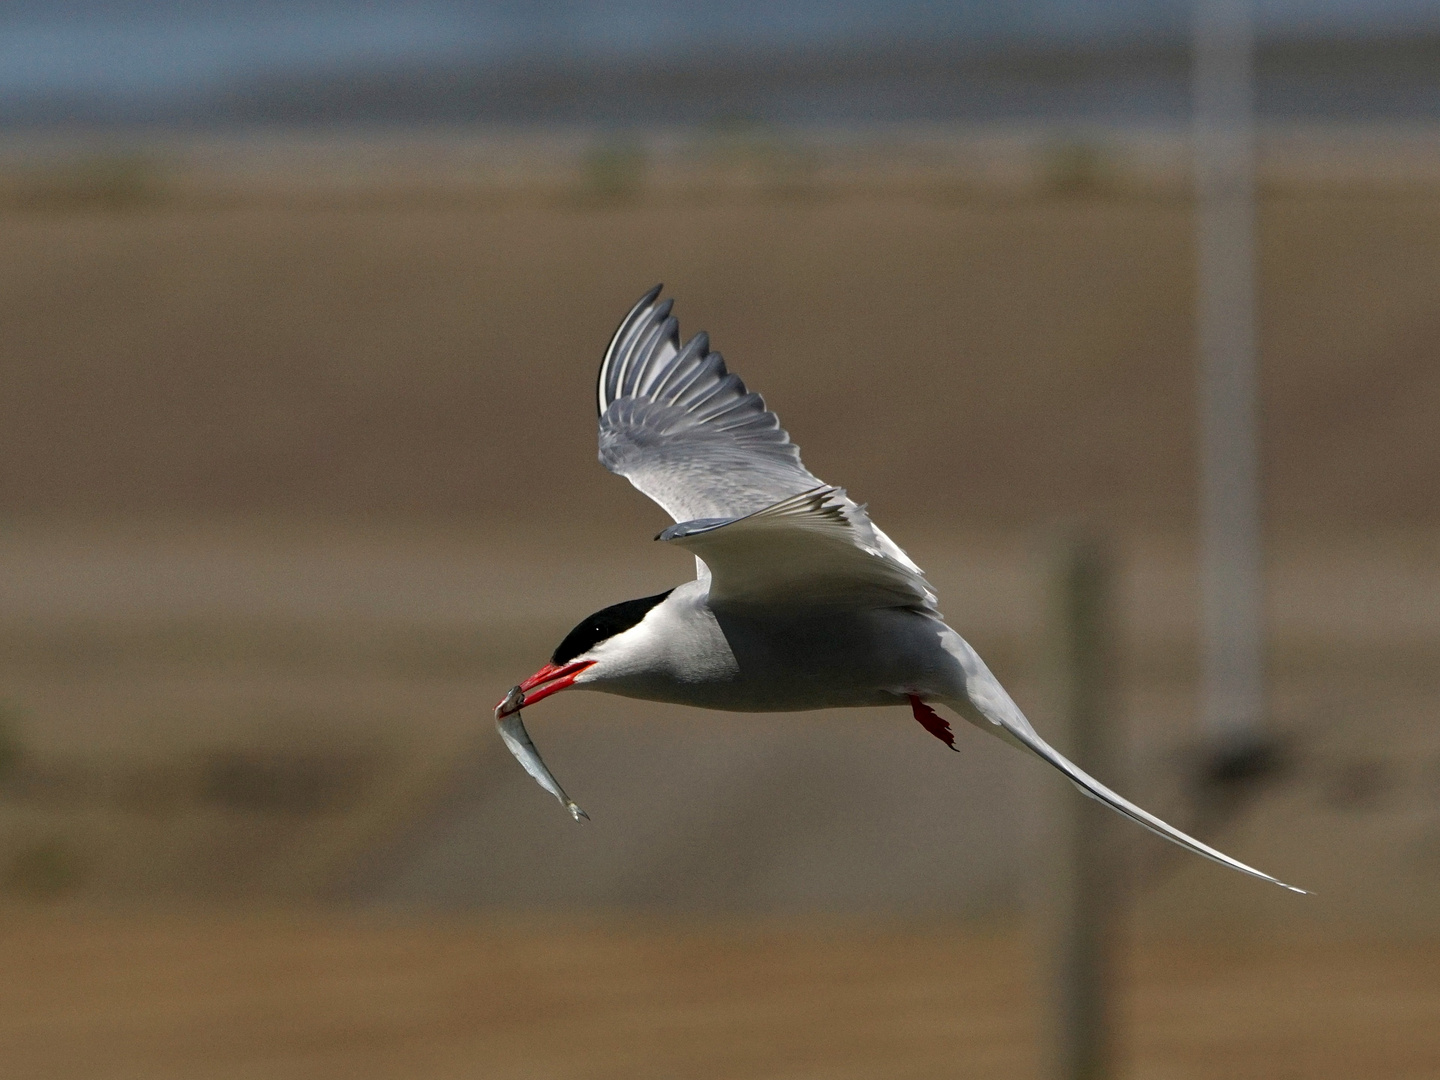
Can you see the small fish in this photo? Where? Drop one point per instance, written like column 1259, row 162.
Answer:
column 517, row 739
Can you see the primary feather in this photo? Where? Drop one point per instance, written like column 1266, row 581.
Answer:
column 684, row 430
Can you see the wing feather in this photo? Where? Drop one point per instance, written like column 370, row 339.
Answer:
column 683, row 429
column 815, row 549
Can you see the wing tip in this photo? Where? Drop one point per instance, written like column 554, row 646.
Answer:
column 648, row 300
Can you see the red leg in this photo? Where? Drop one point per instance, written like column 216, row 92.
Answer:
column 932, row 721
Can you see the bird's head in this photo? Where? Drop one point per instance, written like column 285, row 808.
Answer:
column 602, row 645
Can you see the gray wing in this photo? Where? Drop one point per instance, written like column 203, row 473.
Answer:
column 817, row 549
column 684, row 430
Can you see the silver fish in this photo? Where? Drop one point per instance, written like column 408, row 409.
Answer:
column 517, row 739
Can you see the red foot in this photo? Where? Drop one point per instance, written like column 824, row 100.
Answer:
column 932, row 721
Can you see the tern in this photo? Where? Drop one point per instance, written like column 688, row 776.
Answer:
column 799, row 600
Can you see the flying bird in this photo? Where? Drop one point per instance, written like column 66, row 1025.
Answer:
column 799, row 600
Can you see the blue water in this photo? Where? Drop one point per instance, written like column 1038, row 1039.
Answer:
column 157, row 48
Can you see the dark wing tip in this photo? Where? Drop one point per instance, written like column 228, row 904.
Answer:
column 639, row 306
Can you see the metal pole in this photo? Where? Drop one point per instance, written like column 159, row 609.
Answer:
column 1084, row 888
column 1224, row 146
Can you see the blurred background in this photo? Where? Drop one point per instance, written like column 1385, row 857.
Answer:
column 300, row 310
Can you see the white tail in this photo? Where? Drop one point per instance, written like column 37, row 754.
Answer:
column 998, row 714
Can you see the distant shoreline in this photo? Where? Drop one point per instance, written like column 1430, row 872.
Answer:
column 944, row 80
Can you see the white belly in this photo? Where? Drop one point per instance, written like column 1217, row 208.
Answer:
column 759, row 663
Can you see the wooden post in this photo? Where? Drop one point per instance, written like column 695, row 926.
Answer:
column 1082, row 868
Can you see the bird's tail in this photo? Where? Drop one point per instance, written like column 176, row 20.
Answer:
column 986, row 705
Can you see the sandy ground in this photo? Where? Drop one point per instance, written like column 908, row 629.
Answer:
column 196, row 997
